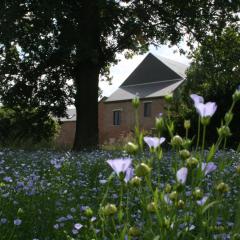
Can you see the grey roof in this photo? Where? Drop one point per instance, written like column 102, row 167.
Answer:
column 154, row 77
column 150, row 90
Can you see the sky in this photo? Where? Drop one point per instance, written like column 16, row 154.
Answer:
column 125, row 67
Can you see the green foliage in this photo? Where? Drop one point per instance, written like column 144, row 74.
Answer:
column 214, row 74
column 19, row 127
column 44, row 45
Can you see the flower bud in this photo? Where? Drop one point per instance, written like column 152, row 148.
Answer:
column 135, row 181
column 222, row 187
column 134, row 231
column 173, row 195
column 224, row 131
column 131, row 148
column 184, row 154
column 88, row 212
column 192, row 162
column 228, row 117
column 180, row 204
column 187, row 124
column 166, row 222
column 136, row 101
column 142, row 170
column 186, row 143
column 109, row 209
column 198, row 194
column 176, row 141
column 236, row 95
column 168, row 98
column 159, row 123
column 151, row 207
column 168, row 188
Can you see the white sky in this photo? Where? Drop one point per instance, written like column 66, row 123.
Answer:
column 126, row 66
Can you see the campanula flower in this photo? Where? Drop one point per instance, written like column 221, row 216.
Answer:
column 208, row 167
column 207, row 109
column 120, row 164
column 182, row 175
column 153, row 142
column 196, row 99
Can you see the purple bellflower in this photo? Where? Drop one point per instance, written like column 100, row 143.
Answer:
column 207, row 109
column 202, row 201
column 208, row 167
column 197, row 99
column 182, row 175
column 153, row 141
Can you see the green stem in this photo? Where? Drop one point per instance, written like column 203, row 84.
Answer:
column 199, row 128
column 203, row 140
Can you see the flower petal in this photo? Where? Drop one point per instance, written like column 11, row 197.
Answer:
column 182, row 175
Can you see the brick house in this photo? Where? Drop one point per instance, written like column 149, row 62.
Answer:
column 153, row 78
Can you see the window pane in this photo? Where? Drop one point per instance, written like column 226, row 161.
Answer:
column 116, row 117
column 147, row 109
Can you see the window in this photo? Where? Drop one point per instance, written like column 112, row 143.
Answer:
column 147, row 109
column 116, row 117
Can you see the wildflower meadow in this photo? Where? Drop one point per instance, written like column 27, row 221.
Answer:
column 157, row 187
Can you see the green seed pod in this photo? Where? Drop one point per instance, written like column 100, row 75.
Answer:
column 142, row 170
column 134, row 231
column 109, row 209
column 198, row 194
column 135, row 181
column 192, row 162
column 184, row 154
column 151, row 207
column 176, row 141
column 222, row 187
column 88, row 212
column 173, row 196
column 187, row 124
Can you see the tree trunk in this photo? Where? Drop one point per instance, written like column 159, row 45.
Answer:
column 86, row 103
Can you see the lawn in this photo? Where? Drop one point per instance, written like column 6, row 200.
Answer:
column 53, row 195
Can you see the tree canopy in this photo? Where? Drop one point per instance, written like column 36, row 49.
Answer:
column 215, row 75
column 46, row 44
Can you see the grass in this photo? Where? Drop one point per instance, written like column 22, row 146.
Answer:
column 49, row 192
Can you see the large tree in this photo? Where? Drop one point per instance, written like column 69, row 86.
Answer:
column 45, row 44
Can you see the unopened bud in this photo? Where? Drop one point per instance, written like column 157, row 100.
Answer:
column 142, row 170
column 176, row 141
column 136, row 102
column 168, row 188
column 224, row 131
column 135, row 181
column 134, row 231
column 159, row 123
column 222, row 187
column 198, row 194
column 151, row 207
column 109, row 209
column 228, row 117
column 168, row 98
column 236, row 95
column 184, row 154
column 173, row 196
column 187, row 124
column 88, row 212
column 131, row 148
column 192, row 162
column 180, row 204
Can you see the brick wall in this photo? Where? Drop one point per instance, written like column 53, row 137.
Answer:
column 109, row 132
column 66, row 134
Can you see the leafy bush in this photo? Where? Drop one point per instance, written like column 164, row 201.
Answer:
column 19, row 127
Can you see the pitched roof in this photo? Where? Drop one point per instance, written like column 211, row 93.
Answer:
column 154, row 77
